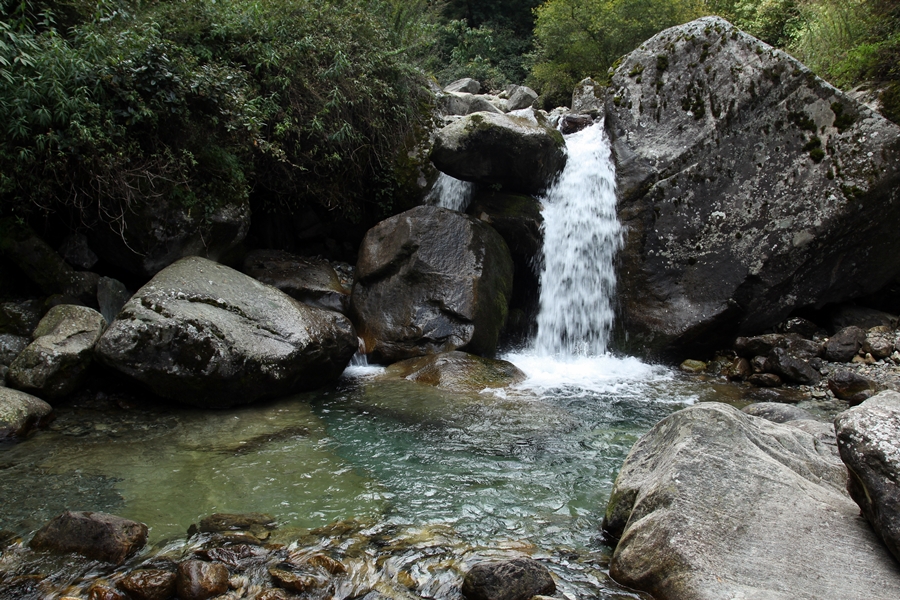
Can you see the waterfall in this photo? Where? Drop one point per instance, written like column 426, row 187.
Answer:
column 581, row 238
column 451, row 193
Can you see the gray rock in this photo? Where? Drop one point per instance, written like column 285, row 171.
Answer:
column 516, row 152
column 466, row 84
column 879, row 341
column 521, row 97
column 204, row 334
column 312, row 281
column 851, row 386
column 155, row 234
column 96, row 535
column 10, row 346
column 54, row 364
column 458, row 371
column 869, row 444
column 730, row 222
column 710, row 495
column 805, row 349
column 21, row 412
column 791, row 369
column 21, row 317
column 777, row 412
column 76, row 252
column 845, row 344
column 431, row 280
column 111, row 296
column 516, row 579
column 458, row 103
column 588, row 97
column 760, row 345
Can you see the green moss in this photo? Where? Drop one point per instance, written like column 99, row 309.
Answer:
column 817, row 154
column 662, row 62
column 890, row 102
column 636, row 70
column 842, row 120
column 802, row 121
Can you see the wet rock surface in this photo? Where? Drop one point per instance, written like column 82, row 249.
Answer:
column 458, row 371
column 205, row 334
column 517, row 579
column 709, row 495
column 199, row 580
column 96, row 535
column 431, row 280
column 516, row 151
column 149, row 584
column 21, row 412
column 310, row 280
column 54, row 364
column 744, row 184
column 870, row 447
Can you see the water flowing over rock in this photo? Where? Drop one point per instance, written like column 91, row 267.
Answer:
column 96, row 535
column 204, row 334
column 449, row 192
column 747, row 186
column 21, row 412
column 431, row 280
column 198, row 580
column 869, row 445
column 54, row 364
column 516, row 151
column 458, row 371
column 713, row 503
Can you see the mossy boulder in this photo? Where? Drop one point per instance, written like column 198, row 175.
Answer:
column 21, row 412
column 431, row 280
column 518, row 151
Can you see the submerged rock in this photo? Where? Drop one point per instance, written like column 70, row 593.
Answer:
column 747, row 188
column 713, row 503
column 516, row 579
column 517, row 152
column 54, row 364
column 870, row 447
column 96, row 535
column 21, row 412
column 459, row 371
column 149, row 584
column 431, row 280
column 204, row 334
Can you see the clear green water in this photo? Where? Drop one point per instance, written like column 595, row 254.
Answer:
column 524, row 470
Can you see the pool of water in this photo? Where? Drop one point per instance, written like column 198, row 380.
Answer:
column 523, row 469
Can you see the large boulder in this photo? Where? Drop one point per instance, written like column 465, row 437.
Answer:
column 204, row 334
column 21, row 412
column 516, row 151
column 517, row 579
column 869, row 444
column 747, row 188
column 712, row 503
column 96, row 535
column 431, row 280
column 153, row 235
column 55, row 363
column 312, row 281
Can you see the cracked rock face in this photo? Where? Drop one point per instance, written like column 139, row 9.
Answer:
column 204, row 334
column 747, row 188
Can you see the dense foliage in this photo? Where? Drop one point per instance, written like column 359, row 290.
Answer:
column 291, row 102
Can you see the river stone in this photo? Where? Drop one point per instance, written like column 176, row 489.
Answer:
column 10, row 347
column 791, row 369
column 21, row 317
column 198, row 580
column 466, row 85
column 845, row 344
column 153, row 235
column 712, row 503
column 765, row 380
column 21, row 412
column 747, row 187
column 879, row 341
column 777, row 412
column 759, row 345
column 431, row 280
column 204, row 334
column 45, row 267
column 458, row 371
column 520, row 97
column 869, row 444
column 851, row 386
column 519, row 153
column 516, row 579
column 149, row 584
column 312, row 281
column 96, row 535
column 55, row 363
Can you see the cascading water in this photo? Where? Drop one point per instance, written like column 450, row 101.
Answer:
column 581, row 237
column 449, row 192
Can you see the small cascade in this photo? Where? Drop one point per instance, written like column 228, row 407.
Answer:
column 451, row 193
column 581, row 238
